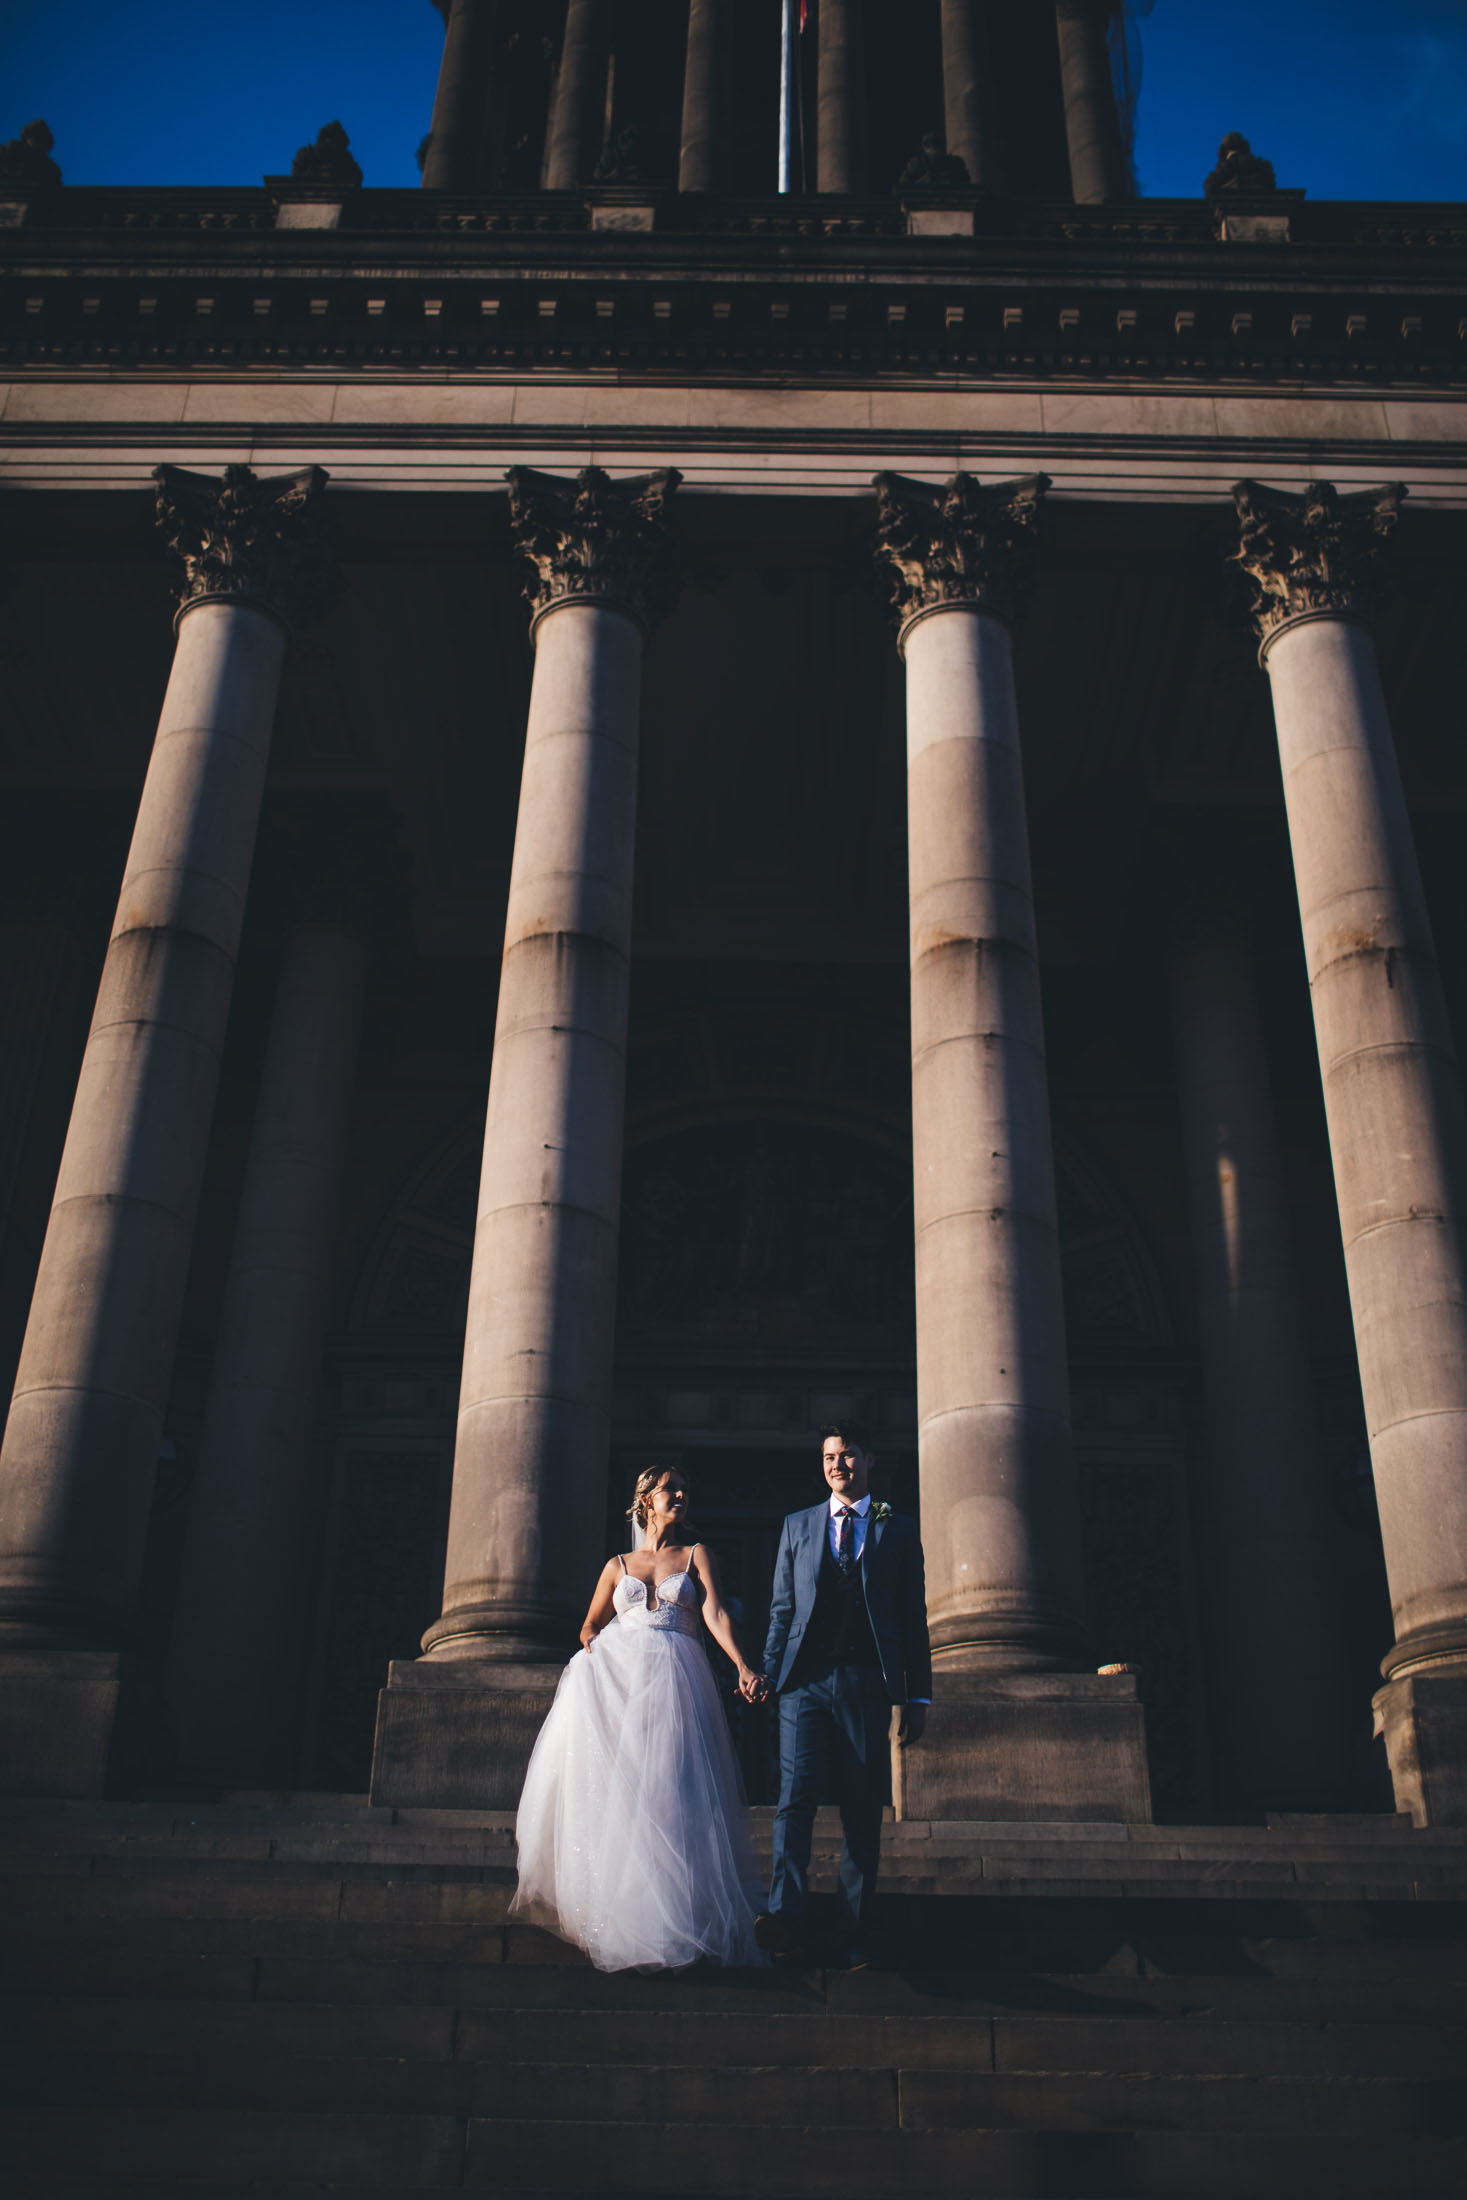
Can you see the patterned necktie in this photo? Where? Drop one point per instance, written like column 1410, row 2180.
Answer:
column 845, row 1538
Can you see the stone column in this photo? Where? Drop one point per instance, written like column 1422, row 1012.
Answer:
column 1277, row 1646
column 81, row 1444
column 1000, row 1505
column 575, row 106
column 527, row 1522
column 964, row 87
column 1092, row 125
column 697, row 168
column 242, row 1624
column 840, row 93
column 1392, row 1094
column 454, row 158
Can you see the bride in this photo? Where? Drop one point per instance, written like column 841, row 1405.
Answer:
column 632, row 1834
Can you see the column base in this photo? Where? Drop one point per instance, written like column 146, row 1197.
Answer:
column 70, row 1721
column 456, row 1733
column 1423, row 1717
column 1012, row 1746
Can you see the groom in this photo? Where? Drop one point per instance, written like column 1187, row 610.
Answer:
column 847, row 1640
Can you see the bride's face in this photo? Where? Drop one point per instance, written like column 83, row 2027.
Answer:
column 667, row 1505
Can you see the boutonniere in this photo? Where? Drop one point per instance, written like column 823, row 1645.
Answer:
column 881, row 1513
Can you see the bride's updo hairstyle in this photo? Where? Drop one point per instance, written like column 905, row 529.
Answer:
column 647, row 1481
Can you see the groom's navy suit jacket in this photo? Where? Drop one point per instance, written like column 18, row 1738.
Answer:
column 896, row 1599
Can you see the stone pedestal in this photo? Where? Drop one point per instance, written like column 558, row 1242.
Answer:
column 456, row 1733
column 1008, row 1746
column 64, row 1730
column 1423, row 1720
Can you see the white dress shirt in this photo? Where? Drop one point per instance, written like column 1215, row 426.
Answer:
column 860, row 1508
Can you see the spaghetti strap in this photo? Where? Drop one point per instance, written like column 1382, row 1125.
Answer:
column 621, row 1562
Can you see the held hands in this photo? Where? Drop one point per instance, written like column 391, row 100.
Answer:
column 753, row 1687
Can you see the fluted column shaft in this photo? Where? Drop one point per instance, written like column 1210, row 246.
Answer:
column 81, row 1443
column 1392, row 1085
column 698, row 157
column 1092, row 125
column 1000, row 1509
column 454, row 160
column 964, row 62
column 1277, row 1700
column 526, row 1526
column 575, row 103
column 840, row 158
column 242, row 1625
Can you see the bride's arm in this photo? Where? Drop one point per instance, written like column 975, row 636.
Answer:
column 716, row 1619
column 601, row 1609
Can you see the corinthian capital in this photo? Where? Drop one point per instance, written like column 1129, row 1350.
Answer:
column 594, row 540
column 247, row 540
column 961, row 544
column 1312, row 556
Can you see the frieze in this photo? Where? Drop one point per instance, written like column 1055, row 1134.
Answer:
column 965, row 543
column 238, row 537
column 595, row 539
column 1312, row 555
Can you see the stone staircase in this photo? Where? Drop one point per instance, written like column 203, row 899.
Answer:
column 300, row 1995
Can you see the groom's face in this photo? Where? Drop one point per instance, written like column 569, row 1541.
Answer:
column 847, row 1468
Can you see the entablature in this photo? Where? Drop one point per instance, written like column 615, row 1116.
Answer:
column 1354, row 293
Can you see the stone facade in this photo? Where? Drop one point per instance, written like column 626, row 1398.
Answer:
column 762, row 692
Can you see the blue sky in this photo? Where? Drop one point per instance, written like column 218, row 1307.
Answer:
column 1349, row 98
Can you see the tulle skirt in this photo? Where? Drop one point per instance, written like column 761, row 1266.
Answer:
column 632, row 1833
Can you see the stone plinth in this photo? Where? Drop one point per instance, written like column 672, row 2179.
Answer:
column 1423, row 1717
column 59, row 1720
column 1028, row 1746
column 456, row 1733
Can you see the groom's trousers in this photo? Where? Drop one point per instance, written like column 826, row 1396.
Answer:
column 836, row 1719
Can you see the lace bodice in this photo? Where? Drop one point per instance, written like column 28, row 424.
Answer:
column 676, row 1606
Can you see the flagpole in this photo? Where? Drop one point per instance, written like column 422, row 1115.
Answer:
column 787, row 37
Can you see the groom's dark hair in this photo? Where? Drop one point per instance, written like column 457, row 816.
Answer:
column 854, row 1433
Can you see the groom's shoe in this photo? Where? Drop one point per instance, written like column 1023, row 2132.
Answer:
column 774, row 1933
column 852, row 1956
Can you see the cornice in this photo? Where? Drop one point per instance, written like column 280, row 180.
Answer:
column 202, row 281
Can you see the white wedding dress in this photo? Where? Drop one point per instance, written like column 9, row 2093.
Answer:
column 632, row 1833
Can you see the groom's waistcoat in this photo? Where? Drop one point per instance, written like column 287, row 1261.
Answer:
column 840, row 1631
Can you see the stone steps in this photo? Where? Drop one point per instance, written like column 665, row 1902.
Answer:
column 320, row 2000
column 281, row 2155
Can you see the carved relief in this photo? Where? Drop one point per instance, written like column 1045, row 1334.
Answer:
column 596, row 539
column 1314, row 555
column 27, row 158
column 931, row 169
column 238, row 537
column 328, row 160
column 1239, row 168
column 961, row 544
